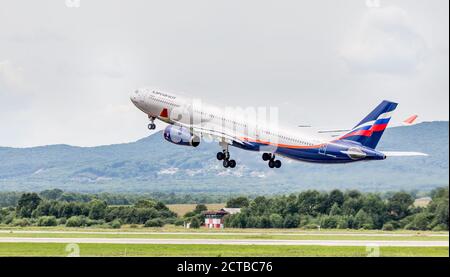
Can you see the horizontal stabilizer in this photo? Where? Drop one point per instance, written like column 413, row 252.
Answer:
column 402, row 154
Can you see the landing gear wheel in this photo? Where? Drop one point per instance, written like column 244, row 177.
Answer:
column 232, row 163
column 226, row 163
column 266, row 156
column 152, row 125
column 277, row 163
column 220, row 156
column 271, row 163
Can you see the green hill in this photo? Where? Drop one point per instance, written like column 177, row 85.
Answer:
column 152, row 164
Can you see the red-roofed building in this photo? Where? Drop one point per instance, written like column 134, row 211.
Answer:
column 215, row 219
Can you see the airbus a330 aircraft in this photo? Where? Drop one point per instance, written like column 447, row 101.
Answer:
column 190, row 123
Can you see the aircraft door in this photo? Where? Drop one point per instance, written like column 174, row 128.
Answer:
column 323, row 149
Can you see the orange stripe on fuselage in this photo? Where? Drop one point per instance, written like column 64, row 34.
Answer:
column 283, row 145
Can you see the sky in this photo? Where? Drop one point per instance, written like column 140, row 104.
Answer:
column 68, row 67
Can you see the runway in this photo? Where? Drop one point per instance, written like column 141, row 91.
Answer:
column 308, row 233
column 229, row 242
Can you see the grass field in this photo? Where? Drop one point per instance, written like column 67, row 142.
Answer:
column 122, row 250
column 182, row 209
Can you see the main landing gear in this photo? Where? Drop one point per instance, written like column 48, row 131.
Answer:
column 225, row 157
column 271, row 158
column 152, row 125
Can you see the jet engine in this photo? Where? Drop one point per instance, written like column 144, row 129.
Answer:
column 181, row 136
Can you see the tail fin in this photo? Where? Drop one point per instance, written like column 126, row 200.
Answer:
column 368, row 132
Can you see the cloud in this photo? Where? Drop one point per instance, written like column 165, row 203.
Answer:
column 65, row 76
column 385, row 43
column 11, row 75
column 168, row 171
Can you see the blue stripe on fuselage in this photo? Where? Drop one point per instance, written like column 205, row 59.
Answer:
column 328, row 153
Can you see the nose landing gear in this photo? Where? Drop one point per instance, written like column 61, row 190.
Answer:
column 152, row 125
column 271, row 158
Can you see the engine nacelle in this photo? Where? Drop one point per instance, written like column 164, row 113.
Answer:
column 181, row 136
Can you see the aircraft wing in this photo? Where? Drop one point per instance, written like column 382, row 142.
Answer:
column 402, row 154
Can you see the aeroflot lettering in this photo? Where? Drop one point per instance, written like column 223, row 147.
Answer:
column 164, row 94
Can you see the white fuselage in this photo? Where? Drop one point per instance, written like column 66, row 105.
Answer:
column 172, row 109
column 191, row 121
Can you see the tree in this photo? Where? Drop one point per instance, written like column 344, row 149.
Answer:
column 439, row 193
column 421, row 221
column 76, row 221
column 335, row 210
column 97, row 209
column 376, row 209
column 362, row 220
column 51, row 194
column 441, row 214
column 47, row 221
column 291, row 204
column 291, row 221
column 155, row 222
column 388, row 227
column 238, row 202
column 329, row 222
column 22, row 222
column 195, row 223
column 259, row 205
column 309, row 202
column 161, row 207
column 351, row 206
column 144, row 214
column 252, row 222
column 276, row 221
column 28, row 202
column 353, row 194
column 200, row 208
column 239, row 220
column 42, row 209
column 440, row 208
column 336, row 197
column 278, row 206
column 344, row 222
column 115, row 224
column 145, row 204
column 398, row 205
column 264, row 222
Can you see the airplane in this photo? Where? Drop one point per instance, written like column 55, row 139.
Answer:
column 189, row 124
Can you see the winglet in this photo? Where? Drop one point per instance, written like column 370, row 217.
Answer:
column 410, row 120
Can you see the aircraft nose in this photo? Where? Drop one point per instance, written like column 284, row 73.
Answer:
column 134, row 96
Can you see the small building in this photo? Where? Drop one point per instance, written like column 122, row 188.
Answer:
column 231, row 210
column 215, row 219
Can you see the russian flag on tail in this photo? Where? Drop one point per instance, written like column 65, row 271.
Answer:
column 368, row 132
